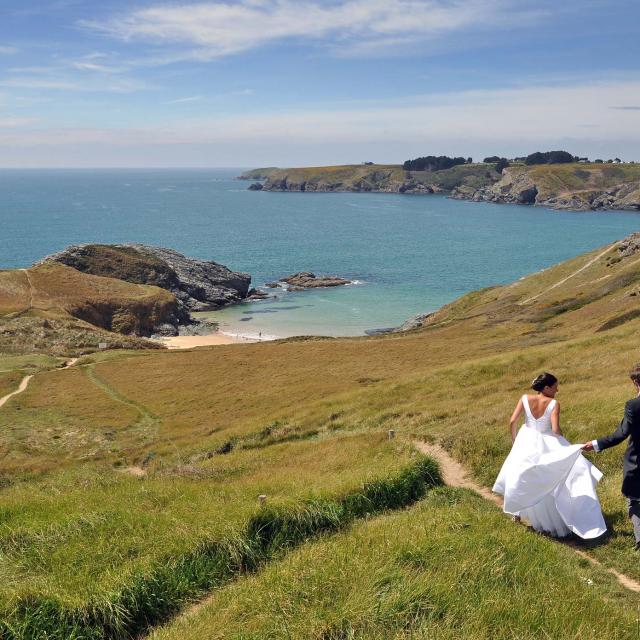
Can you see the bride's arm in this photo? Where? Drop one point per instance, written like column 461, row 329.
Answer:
column 555, row 419
column 514, row 419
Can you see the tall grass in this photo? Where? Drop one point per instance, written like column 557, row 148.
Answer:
column 452, row 568
column 151, row 597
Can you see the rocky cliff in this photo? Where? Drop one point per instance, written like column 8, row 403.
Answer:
column 574, row 186
column 374, row 178
column 198, row 285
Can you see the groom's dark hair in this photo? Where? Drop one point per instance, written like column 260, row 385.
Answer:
column 547, row 380
column 634, row 374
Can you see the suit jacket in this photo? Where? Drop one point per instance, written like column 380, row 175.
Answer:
column 628, row 428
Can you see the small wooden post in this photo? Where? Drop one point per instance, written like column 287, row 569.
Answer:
column 392, row 434
column 262, row 499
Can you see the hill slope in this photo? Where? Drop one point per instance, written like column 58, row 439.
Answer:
column 125, row 476
column 575, row 186
column 53, row 308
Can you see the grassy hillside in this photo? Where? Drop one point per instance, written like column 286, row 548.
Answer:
column 118, row 470
column 451, row 568
column 378, row 177
column 561, row 186
column 56, row 309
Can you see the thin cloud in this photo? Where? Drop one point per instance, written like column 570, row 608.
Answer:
column 631, row 107
column 490, row 119
column 183, row 100
column 92, row 66
column 11, row 123
column 8, row 51
column 122, row 85
column 211, row 30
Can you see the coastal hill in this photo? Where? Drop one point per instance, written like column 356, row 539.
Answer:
column 136, row 484
column 71, row 301
column 574, row 186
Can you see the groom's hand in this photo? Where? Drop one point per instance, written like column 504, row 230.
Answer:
column 587, row 446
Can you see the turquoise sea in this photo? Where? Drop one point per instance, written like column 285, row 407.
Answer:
column 408, row 254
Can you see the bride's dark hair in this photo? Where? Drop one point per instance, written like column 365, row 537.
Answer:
column 543, row 380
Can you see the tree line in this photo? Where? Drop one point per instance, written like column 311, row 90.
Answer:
column 438, row 163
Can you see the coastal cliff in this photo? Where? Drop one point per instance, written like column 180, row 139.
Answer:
column 71, row 301
column 198, row 285
column 374, row 178
column 575, row 186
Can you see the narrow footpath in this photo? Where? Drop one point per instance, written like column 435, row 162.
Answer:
column 24, row 383
column 455, row 475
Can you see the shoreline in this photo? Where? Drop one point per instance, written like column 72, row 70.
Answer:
column 209, row 340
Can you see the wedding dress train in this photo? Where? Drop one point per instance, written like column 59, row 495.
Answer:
column 548, row 481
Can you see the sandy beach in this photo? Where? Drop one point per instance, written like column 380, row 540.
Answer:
column 188, row 342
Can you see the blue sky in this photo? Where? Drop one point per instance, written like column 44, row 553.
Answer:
column 283, row 82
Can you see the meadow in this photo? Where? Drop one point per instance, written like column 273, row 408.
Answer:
column 131, row 479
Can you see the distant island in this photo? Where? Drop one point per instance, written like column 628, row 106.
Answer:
column 554, row 179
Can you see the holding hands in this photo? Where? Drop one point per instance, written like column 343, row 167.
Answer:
column 587, row 446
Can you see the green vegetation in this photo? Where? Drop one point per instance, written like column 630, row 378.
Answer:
column 128, row 477
column 433, row 163
column 550, row 157
column 452, row 567
column 125, row 552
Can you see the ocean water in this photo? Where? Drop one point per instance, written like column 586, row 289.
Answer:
column 407, row 254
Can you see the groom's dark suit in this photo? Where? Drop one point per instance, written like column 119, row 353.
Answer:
column 628, row 428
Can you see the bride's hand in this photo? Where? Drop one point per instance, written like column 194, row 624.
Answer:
column 587, row 446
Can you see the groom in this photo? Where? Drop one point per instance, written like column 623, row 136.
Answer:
column 629, row 428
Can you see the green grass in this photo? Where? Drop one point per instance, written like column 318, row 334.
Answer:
column 301, row 419
column 452, row 567
column 114, row 554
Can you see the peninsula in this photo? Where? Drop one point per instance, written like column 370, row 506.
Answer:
column 577, row 186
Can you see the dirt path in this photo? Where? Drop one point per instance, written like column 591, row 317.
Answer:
column 24, row 383
column 575, row 273
column 455, row 475
column 26, row 272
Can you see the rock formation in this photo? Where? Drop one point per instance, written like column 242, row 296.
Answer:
column 574, row 186
column 307, row 280
column 519, row 185
column 198, row 285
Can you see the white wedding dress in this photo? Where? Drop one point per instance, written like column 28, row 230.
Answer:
column 548, row 481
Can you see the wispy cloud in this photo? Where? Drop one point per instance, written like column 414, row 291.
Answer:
column 183, row 100
column 8, row 51
column 491, row 119
column 210, row 30
column 10, row 123
column 631, row 107
column 92, row 66
column 38, row 82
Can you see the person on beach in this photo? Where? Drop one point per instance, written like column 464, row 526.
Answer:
column 545, row 478
column 629, row 428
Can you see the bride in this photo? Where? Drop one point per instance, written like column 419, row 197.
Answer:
column 545, row 479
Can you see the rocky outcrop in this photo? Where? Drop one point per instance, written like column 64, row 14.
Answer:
column 416, row 322
column 629, row 245
column 377, row 179
column 512, row 188
column 198, row 285
column 308, row 280
column 519, row 186
column 571, row 186
column 256, row 186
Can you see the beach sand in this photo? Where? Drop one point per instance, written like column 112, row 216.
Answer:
column 188, row 342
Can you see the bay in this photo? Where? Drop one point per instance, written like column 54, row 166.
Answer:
column 407, row 254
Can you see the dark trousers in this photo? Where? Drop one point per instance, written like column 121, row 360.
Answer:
column 634, row 514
